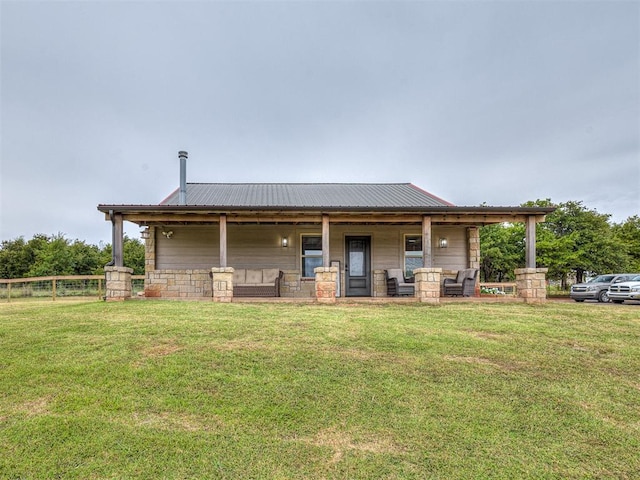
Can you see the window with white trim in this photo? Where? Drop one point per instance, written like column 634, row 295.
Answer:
column 412, row 254
column 311, row 255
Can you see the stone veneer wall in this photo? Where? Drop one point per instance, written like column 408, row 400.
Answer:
column 150, row 250
column 428, row 284
column 117, row 283
column 473, row 235
column 531, row 284
column 294, row 286
column 185, row 284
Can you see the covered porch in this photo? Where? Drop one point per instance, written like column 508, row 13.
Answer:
column 325, row 256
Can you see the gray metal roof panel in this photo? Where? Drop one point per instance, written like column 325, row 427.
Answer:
column 307, row 195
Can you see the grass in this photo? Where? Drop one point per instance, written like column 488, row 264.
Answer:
column 199, row 390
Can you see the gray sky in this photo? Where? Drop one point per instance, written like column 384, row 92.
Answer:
column 487, row 101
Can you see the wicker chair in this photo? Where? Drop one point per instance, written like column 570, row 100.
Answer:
column 396, row 283
column 464, row 284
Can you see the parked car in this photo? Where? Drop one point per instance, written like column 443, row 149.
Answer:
column 629, row 290
column 598, row 287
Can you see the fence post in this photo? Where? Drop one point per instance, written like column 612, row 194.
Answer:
column 99, row 288
column 53, row 289
column 8, row 292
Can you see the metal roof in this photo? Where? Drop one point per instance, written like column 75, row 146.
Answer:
column 307, row 195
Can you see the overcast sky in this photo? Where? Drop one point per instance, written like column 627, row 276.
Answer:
column 487, row 101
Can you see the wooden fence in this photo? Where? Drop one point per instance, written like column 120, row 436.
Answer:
column 59, row 286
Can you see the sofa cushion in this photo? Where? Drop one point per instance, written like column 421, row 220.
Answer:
column 396, row 273
column 254, row 276
column 239, row 276
column 269, row 275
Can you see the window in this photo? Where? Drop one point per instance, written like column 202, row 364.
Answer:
column 311, row 254
column 412, row 254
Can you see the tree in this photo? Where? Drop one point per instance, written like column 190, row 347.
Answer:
column 584, row 242
column 628, row 233
column 501, row 251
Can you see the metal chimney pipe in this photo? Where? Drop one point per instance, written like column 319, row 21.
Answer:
column 182, row 200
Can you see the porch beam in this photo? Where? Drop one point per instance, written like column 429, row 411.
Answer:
column 530, row 244
column 325, row 241
column 223, row 240
column 427, row 260
column 212, row 218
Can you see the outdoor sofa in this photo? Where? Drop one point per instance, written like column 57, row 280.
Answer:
column 257, row 282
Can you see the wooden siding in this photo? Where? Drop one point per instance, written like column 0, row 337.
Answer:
column 189, row 248
column 253, row 246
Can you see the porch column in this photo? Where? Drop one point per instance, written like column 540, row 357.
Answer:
column 427, row 260
column 428, row 284
column 118, row 241
column 223, row 240
column 326, row 284
column 530, row 244
column 117, row 283
column 325, row 241
column 531, row 284
column 222, row 288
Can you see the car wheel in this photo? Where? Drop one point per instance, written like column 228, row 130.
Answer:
column 603, row 296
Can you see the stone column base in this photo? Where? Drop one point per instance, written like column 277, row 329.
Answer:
column 326, row 284
column 428, row 284
column 531, row 284
column 117, row 283
column 222, row 284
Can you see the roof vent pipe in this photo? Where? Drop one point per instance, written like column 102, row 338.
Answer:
column 183, row 177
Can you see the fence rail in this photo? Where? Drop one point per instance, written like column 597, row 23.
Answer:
column 498, row 288
column 60, row 286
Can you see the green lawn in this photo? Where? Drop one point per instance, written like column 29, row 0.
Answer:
column 155, row 389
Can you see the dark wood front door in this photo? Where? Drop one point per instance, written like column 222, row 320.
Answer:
column 358, row 267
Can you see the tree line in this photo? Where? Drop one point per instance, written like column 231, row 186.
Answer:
column 573, row 241
column 48, row 255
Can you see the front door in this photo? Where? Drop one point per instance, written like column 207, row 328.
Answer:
column 358, row 267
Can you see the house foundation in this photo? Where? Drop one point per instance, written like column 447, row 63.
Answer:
column 117, row 283
column 531, row 284
column 428, row 284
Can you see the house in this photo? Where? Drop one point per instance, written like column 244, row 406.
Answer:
column 322, row 240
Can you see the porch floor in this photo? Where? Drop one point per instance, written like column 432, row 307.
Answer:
column 370, row 300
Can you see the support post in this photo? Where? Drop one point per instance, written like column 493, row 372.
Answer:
column 223, row 240
column 530, row 243
column 118, row 241
column 427, row 259
column 325, row 241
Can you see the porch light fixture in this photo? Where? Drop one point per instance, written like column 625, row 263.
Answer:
column 285, row 242
column 144, row 233
column 444, row 243
column 168, row 234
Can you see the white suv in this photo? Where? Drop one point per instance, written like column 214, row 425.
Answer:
column 629, row 290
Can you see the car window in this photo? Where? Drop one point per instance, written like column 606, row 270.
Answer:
column 621, row 278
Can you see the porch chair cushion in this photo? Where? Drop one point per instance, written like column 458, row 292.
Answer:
column 464, row 283
column 396, row 284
